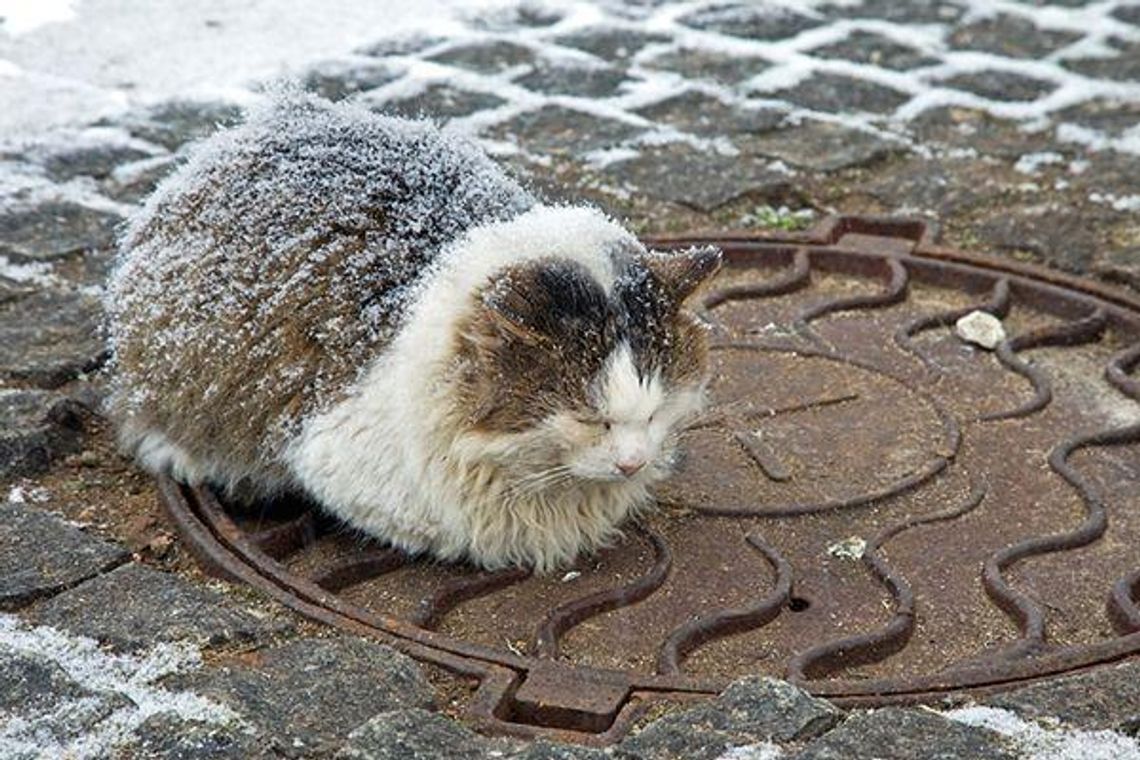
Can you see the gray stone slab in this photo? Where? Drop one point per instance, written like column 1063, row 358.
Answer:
column 832, row 93
column 415, row 734
column 751, row 710
column 406, row 44
column 41, row 555
column 32, row 684
column 177, row 122
column 875, row 49
column 134, row 606
column 894, row 734
column 131, row 183
column 1105, row 698
column 517, row 16
column 580, row 81
column 975, row 130
column 544, row 750
column 51, row 337
column 1129, row 14
column 440, row 101
column 765, row 22
column 36, row 427
column 1003, row 86
column 164, row 736
column 702, row 114
column 1108, row 115
column 311, row 693
column 53, row 230
column 558, row 130
column 97, row 161
column 486, row 58
column 1010, row 36
column 338, row 80
column 910, row 12
column 610, row 44
column 1052, row 232
column 709, row 65
column 821, row 146
column 1125, row 66
column 679, row 173
column 942, row 189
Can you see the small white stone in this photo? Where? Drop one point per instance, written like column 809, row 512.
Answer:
column 571, row 576
column 849, row 548
column 981, row 329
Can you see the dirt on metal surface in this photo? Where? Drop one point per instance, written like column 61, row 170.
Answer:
column 871, row 508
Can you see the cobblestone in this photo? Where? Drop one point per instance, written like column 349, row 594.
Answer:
column 41, row 555
column 163, row 607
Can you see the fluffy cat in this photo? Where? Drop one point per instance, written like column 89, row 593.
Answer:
column 370, row 311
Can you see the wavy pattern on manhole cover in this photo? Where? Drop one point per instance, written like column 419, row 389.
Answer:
column 871, row 507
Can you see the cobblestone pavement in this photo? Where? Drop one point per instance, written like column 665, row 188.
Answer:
column 1016, row 125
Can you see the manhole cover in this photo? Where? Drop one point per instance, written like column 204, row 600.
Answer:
column 871, row 508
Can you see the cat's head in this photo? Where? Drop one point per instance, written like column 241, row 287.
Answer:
column 587, row 380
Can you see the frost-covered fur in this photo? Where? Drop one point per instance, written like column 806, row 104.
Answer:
column 363, row 309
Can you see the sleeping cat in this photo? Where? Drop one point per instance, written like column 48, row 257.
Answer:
column 370, row 311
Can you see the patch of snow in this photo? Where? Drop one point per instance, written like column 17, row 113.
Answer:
column 20, row 16
column 31, row 273
column 132, row 676
column 1037, row 742
column 24, row 494
column 1030, row 163
column 758, row 751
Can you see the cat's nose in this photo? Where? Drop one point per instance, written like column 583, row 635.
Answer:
column 630, row 467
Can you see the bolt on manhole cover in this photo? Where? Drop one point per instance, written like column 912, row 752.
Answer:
column 872, row 508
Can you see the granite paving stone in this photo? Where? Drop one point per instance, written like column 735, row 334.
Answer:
column 164, row 736
column 910, row 12
column 41, row 555
column 751, row 710
column 1060, row 235
column 560, row 131
column 134, row 181
column 337, row 80
column 416, row 734
column 51, row 337
column 440, row 101
column 610, row 44
column 544, row 750
column 1010, row 36
column 875, row 49
column 702, row 114
column 174, row 123
column 1128, row 13
column 1104, row 698
column 54, row 229
column 771, row 22
column 309, row 694
column 486, row 58
column 97, row 161
column 161, row 607
column 405, row 44
column 1124, row 66
column 524, row 16
column 895, row 734
column 33, row 683
column 36, row 428
column 580, row 81
column 1105, row 114
column 821, row 146
column 702, row 180
column 977, row 132
column 709, row 65
column 836, row 93
column 1003, row 86
column 940, row 188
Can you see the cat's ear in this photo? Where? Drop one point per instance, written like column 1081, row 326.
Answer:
column 682, row 272
column 512, row 309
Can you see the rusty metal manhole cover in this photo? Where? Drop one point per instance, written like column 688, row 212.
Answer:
column 872, row 508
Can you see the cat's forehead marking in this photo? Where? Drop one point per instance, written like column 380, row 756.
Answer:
column 625, row 394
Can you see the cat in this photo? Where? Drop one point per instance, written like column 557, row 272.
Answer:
column 370, row 311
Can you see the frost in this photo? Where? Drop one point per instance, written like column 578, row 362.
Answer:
column 22, row 494
column 1055, row 743
column 1029, row 163
column 99, row 674
column 1118, row 203
column 759, row 751
column 31, row 273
